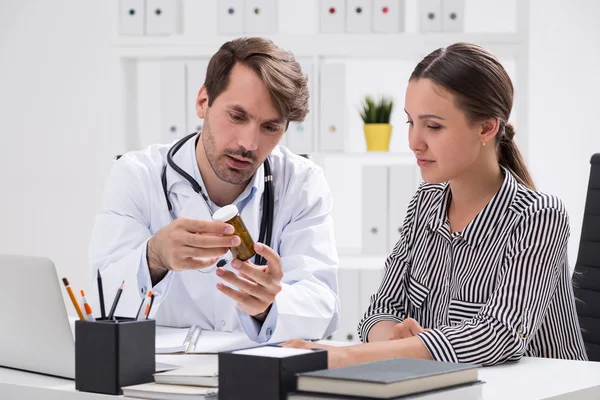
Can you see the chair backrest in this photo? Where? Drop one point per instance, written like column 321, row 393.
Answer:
column 586, row 277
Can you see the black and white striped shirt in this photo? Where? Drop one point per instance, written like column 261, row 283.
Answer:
column 496, row 291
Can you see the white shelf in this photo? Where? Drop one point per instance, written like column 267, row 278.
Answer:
column 369, row 158
column 380, row 46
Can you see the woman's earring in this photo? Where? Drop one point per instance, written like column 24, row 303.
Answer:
column 483, row 142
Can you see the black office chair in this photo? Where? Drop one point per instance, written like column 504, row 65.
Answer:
column 586, row 277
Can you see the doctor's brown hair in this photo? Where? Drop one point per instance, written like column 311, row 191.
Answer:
column 277, row 68
column 482, row 89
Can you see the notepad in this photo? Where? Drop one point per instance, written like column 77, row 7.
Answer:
column 388, row 379
column 170, row 340
column 198, row 375
column 157, row 391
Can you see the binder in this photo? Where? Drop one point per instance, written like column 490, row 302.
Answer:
column 388, row 16
column 375, row 209
column 370, row 280
column 351, row 311
column 163, row 17
column 332, row 107
column 230, row 17
column 332, row 16
column 430, row 15
column 403, row 185
column 453, row 12
column 195, row 76
column 260, row 16
column 131, row 17
column 358, row 16
column 300, row 136
column 172, row 99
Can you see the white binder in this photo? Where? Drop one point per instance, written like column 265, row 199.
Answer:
column 358, row 16
column 332, row 16
column 430, row 15
column 453, row 12
column 375, row 214
column 172, row 96
column 300, row 136
column 388, row 16
column 163, row 17
column 332, row 113
column 402, row 186
column 131, row 17
column 195, row 75
column 260, row 16
column 230, row 17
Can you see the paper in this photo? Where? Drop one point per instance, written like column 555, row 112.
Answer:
column 274, row 351
column 170, row 340
column 151, row 389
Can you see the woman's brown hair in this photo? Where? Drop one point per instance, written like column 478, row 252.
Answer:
column 483, row 90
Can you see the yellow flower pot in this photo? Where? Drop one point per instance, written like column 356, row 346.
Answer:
column 378, row 136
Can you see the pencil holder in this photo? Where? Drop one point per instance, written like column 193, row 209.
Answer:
column 110, row 354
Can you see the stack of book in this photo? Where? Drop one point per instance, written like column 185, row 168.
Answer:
column 390, row 379
column 194, row 382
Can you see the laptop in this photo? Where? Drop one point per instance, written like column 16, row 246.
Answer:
column 35, row 334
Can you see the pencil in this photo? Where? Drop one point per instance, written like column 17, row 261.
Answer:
column 116, row 301
column 101, row 295
column 73, row 299
column 150, row 307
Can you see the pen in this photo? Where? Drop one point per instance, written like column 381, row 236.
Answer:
column 73, row 299
column 87, row 308
column 192, row 338
column 150, row 308
column 137, row 314
column 111, row 314
column 101, row 295
column 144, row 307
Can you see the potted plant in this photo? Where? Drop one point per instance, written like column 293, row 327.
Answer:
column 376, row 116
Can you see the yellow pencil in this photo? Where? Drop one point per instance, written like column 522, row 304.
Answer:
column 73, row 299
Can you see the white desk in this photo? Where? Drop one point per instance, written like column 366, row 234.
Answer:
column 531, row 378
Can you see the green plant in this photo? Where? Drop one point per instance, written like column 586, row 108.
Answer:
column 376, row 112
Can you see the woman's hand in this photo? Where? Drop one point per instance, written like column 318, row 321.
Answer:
column 405, row 329
column 337, row 356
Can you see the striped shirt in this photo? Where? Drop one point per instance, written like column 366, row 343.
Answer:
column 496, row 291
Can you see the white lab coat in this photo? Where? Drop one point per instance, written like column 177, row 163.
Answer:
column 134, row 208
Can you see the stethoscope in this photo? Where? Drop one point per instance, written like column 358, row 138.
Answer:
column 268, row 200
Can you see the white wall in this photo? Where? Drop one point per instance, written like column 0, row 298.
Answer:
column 564, row 88
column 57, row 113
column 58, row 83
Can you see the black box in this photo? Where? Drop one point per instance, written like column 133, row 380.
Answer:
column 244, row 376
column 111, row 354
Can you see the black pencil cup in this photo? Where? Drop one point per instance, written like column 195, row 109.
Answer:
column 110, row 354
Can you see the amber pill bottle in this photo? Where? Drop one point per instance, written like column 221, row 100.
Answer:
column 230, row 215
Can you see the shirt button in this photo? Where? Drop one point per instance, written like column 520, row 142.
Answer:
column 223, row 322
column 269, row 332
column 144, row 290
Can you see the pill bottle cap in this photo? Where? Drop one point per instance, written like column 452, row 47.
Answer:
column 226, row 213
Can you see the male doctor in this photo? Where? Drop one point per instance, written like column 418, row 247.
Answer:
column 252, row 90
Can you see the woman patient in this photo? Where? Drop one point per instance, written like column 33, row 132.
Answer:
column 480, row 273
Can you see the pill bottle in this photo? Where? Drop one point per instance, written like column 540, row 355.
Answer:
column 230, row 215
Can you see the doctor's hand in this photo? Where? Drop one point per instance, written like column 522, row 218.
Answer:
column 258, row 285
column 187, row 244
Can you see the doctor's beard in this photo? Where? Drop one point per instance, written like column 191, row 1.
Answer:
column 218, row 162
